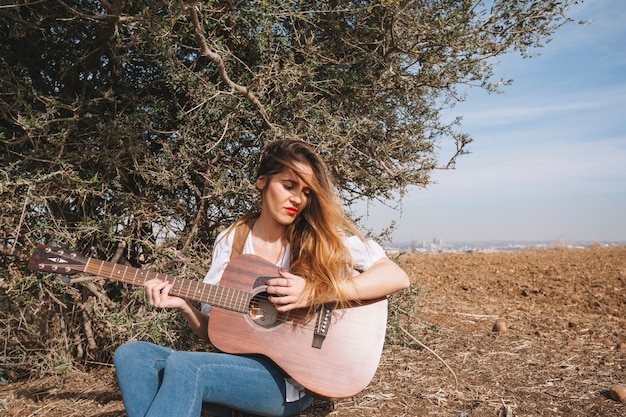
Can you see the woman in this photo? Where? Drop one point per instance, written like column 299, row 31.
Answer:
column 302, row 229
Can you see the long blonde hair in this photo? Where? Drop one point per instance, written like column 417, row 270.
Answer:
column 316, row 236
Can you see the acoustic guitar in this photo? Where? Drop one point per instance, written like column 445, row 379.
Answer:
column 333, row 353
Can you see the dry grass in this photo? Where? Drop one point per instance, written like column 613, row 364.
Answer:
column 565, row 311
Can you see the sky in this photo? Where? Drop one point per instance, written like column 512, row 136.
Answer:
column 548, row 161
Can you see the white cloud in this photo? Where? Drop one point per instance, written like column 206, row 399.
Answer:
column 483, row 112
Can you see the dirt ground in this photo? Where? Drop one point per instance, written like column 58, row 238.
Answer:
column 563, row 349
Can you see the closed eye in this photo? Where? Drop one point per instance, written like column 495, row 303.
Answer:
column 291, row 184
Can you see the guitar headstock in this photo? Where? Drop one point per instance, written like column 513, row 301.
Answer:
column 56, row 260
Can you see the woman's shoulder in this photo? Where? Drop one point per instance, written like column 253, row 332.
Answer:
column 363, row 247
column 224, row 235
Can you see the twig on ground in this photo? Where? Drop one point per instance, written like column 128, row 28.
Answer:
column 476, row 316
column 507, row 411
column 456, row 380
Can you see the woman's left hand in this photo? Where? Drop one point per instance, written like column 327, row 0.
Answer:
column 287, row 291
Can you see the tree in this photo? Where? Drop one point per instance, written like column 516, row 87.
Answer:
column 131, row 130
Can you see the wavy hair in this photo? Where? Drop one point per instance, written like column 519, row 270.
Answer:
column 317, row 249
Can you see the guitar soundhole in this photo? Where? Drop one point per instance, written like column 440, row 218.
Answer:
column 263, row 313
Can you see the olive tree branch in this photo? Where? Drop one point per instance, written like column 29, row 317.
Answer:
column 221, row 67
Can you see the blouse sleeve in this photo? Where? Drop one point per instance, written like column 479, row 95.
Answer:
column 364, row 253
column 221, row 256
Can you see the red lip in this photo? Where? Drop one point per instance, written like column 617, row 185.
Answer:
column 292, row 210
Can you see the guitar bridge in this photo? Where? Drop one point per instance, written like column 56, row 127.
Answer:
column 322, row 326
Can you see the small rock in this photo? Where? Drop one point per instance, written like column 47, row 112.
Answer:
column 499, row 326
column 618, row 393
column 621, row 346
column 15, row 411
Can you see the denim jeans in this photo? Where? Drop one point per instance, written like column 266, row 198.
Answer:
column 156, row 381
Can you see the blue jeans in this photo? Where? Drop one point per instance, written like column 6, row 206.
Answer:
column 160, row 382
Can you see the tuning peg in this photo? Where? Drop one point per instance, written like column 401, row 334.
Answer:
column 65, row 279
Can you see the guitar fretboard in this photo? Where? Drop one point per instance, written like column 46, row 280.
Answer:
column 228, row 298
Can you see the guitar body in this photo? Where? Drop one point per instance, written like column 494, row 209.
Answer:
column 339, row 364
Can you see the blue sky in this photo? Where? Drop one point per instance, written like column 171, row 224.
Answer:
column 548, row 161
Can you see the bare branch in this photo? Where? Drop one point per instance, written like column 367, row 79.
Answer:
column 221, row 68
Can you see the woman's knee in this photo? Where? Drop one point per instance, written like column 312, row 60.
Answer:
column 139, row 351
column 181, row 360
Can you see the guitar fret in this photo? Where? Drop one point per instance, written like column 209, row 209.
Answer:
column 209, row 296
column 99, row 269
column 178, row 286
column 241, row 301
column 141, row 274
column 229, row 299
column 221, row 300
column 118, row 273
column 238, row 301
column 197, row 285
column 216, row 294
column 235, row 300
column 217, row 298
column 190, row 291
column 187, row 287
column 182, row 286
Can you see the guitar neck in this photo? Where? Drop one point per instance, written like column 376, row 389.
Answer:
column 227, row 298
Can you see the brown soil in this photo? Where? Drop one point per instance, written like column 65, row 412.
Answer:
column 564, row 312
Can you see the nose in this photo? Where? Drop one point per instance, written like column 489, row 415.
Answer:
column 296, row 197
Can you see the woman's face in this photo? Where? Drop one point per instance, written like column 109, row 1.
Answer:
column 285, row 195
